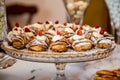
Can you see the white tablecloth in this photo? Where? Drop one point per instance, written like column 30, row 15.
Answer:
column 25, row 70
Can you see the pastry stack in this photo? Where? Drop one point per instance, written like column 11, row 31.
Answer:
column 107, row 75
column 58, row 37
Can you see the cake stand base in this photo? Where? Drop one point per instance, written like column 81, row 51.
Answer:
column 60, row 71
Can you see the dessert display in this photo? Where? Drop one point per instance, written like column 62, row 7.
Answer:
column 39, row 43
column 58, row 43
column 107, row 75
column 56, row 37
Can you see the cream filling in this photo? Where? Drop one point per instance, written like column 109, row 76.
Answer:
column 82, row 44
column 97, row 34
column 51, row 32
column 69, row 30
column 38, row 26
column 41, row 38
column 86, row 27
column 77, row 37
column 106, row 41
column 56, row 38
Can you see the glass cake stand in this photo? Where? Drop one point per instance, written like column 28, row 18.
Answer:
column 60, row 59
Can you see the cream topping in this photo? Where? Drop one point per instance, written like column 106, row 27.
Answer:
column 97, row 34
column 36, row 42
column 10, row 36
column 18, row 31
column 41, row 38
column 56, row 38
column 69, row 25
column 14, row 33
column 69, row 30
column 47, row 26
column 106, row 41
column 86, row 27
column 58, row 25
column 53, row 32
column 38, row 26
column 82, row 44
column 77, row 37
column 29, row 34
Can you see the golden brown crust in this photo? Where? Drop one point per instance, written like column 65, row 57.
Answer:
column 37, row 48
column 117, row 71
column 105, row 72
column 83, row 48
column 59, row 48
column 104, row 45
column 105, row 78
column 18, row 44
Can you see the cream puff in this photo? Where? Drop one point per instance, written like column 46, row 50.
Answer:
column 82, row 45
column 16, row 37
column 40, row 43
column 59, row 44
column 104, row 43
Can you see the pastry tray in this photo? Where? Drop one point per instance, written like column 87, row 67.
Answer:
column 57, row 57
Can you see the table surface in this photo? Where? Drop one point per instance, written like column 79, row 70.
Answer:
column 25, row 70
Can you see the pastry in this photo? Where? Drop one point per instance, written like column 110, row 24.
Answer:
column 50, row 33
column 59, row 37
column 82, row 45
column 16, row 37
column 74, row 27
column 105, row 75
column 79, row 34
column 28, row 34
column 48, row 25
column 104, row 43
column 18, row 42
column 40, row 43
column 105, row 72
column 59, row 44
column 105, row 78
column 67, row 32
column 80, row 42
column 37, row 27
column 117, row 72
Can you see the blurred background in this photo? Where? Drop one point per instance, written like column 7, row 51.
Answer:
column 104, row 13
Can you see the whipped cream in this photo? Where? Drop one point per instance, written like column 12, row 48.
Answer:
column 29, row 35
column 58, row 25
column 18, row 31
column 69, row 30
column 56, row 38
column 77, row 37
column 53, row 32
column 106, row 41
column 80, row 43
column 47, row 26
column 41, row 38
column 86, row 27
column 69, row 25
column 97, row 34
column 38, row 26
